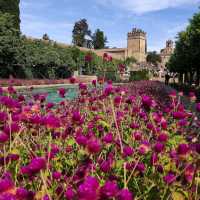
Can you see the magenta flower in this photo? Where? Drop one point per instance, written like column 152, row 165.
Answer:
column 125, row 194
column 34, row 166
column 70, row 194
column 5, row 185
column 178, row 115
column 108, row 138
column 169, row 178
column 105, row 166
column 137, row 135
column 159, row 147
column 108, row 90
column 77, row 118
column 72, row 80
column 189, row 172
column 154, row 158
column 62, row 92
column 109, row 190
column 198, row 107
column 128, row 151
column 4, row 137
column 81, row 139
column 117, row 100
column 56, row 175
column 51, row 121
column 163, row 137
column 183, row 149
column 3, row 116
column 88, row 58
column 93, row 145
column 89, row 189
column 94, row 82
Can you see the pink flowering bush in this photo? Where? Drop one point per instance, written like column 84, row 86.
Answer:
column 130, row 142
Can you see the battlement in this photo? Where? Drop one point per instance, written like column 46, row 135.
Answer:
column 136, row 32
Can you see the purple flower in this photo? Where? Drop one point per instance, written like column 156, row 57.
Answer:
column 108, row 138
column 183, row 149
column 109, row 190
column 46, row 197
column 198, row 107
column 137, row 135
column 108, row 90
column 88, row 190
column 117, row 100
column 69, row 194
column 62, row 92
column 140, row 167
column 3, row 116
column 56, row 175
column 125, row 194
column 178, row 115
column 3, row 137
column 34, row 166
column 7, row 196
column 169, row 178
column 77, row 118
column 81, row 139
column 51, row 121
column 127, row 151
column 105, row 166
column 22, row 193
column 189, row 172
column 147, row 101
column 93, row 145
column 159, row 147
column 154, row 158
column 163, row 137
column 6, row 184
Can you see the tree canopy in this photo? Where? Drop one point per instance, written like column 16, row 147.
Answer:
column 11, row 7
column 186, row 57
column 99, row 40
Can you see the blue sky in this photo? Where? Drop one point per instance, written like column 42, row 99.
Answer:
column 161, row 19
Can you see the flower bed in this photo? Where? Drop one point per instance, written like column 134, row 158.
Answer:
column 111, row 143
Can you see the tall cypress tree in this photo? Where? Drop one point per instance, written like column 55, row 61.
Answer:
column 11, row 7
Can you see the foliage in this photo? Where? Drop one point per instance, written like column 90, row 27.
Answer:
column 99, row 40
column 80, row 30
column 185, row 59
column 139, row 75
column 11, row 7
column 109, row 143
column 153, row 58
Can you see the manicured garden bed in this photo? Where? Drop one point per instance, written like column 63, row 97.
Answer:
column 134, row 141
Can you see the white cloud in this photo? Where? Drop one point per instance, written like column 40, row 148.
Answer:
column 144, row 6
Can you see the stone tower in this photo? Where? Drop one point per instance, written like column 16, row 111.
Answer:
column 137, row 45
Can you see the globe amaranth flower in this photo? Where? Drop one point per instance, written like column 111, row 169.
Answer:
column 125, row 194
column 159, row 147
column 34, row 166
column 81, row 139
column 6, row 184
column 77, row 118
column 137, row 135
column 94, row 145
column 128, row 151
column 140, row 167
column 88, row 190
column 108, row 138
column 70, row 194
column 144, row 147
column 105, row 166
column 179, row 115
column 56, row 175
column 94, row 82
column 3, row 137
column 147, row 101
column 51, row 121
column 108, row 90
column 189, row 172
column 117, row 100
column 72, row 80
column 3, row 116
column 169, row 178
column 62, row 92
column 21, row 194
column 154, row 158
column 198, row 107
column 109, row 190
column 163, row 137
column 183, row 149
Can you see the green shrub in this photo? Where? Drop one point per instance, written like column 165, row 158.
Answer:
column 139, row 75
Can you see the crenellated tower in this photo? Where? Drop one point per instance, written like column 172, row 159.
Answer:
column 137, row 45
